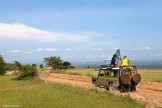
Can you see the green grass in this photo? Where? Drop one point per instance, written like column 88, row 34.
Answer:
column 83, row 71
column 36, row 94
column 151, row 74
column 146, row 74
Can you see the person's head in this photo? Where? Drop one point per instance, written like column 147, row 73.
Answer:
column 125, row 57
column 118, row 50
column 114, row 56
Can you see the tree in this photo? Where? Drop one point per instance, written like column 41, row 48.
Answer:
column 2, row 66
column 10, row 67
column 35, row 65
column 41, row 66
column 55, row 63
column 18, row 64
column 66, row 64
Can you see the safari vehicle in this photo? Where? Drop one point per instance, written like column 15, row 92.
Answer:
column 117, row 78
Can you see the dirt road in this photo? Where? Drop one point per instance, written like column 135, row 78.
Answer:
column 149, row 93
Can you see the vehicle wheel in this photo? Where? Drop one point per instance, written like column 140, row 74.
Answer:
column 121, row 89
column 112, row 87
column 96, row 87
column 135, row 78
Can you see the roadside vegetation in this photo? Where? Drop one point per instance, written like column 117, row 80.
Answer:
column 37, row 94
column 57, row 64
column 153, row 75
column 2, row 66
column 33, row 93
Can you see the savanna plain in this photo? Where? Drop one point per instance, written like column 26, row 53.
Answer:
column 38, row 93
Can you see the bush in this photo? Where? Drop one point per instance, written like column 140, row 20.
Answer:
column 2, row 66
column 41, row 66
column 27, row 72
column 72, row 67
column 11, row 67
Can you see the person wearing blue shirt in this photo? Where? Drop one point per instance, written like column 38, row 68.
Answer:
column 118, row 56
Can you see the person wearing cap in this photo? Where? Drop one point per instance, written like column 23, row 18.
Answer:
column 125, row 61
column 118, row 56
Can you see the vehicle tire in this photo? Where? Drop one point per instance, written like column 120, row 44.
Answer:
column 135, row 78
column 124, row 79
column 122, row 89
column 112, row 87
column 95, row 87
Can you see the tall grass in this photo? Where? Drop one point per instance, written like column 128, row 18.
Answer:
column 36, row 94
column 82, row 71
column 151, row 74
column 146, row 74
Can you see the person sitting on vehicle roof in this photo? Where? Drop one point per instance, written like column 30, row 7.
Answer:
column 125, row 61
column 113, row 61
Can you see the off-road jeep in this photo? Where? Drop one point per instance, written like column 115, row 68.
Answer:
column 117, row 78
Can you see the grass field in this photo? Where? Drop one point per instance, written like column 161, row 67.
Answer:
column 146, row 74
column 37, row 94
column 151, row 74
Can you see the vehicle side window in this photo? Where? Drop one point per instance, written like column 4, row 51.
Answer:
column 114, row 73
column 101, row 73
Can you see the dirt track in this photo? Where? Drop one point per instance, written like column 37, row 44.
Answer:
column 149, row 93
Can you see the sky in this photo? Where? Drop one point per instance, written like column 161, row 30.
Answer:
column 80, row 30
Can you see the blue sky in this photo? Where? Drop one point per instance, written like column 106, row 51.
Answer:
column 80, row 30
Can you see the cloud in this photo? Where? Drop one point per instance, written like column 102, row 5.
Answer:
column 15, row 51
column 103, row 56
column 78, row 49
column 140, row 49
column 22, row 31
column 51, row 49
column 97, row 49
column 68, row 49
column 20, row 52
column 28, row 52
column 39, row 49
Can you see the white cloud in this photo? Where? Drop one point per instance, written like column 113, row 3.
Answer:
column 97, row 49
column 22, row 31
column 91, row 56
column 39, row 49
column 14, row 51
column 116, row 48
column 78, row 49
column 103, row 56
column 21, row 52
column 28, row 52
column 140, row 49
column 51, row 49
column 68, row 49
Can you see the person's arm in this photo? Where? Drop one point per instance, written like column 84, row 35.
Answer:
column 120, row 57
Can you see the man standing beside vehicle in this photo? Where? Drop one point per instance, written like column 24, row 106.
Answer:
column 118, row 57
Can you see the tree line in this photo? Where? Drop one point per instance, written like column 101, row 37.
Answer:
column 29, row 71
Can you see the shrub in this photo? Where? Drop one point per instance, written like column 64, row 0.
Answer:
column 35, row 65
column 10, row 67
column 66, row 64
column 72, row 67
column 27, row 72
column 41, row 66
column 2, row 66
